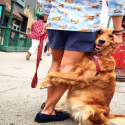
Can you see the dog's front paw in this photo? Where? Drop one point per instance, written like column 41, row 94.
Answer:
column 44, row 85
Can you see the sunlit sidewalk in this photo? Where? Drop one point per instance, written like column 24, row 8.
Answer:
column 19, row 103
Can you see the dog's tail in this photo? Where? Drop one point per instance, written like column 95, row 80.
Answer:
column 117, row 119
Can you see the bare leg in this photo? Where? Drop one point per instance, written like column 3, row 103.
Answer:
column 69, row 60
column 56, row 60
column 49, row 50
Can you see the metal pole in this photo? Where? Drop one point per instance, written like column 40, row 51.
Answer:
column 109, row 22
column 11, row 13
column 8, row 30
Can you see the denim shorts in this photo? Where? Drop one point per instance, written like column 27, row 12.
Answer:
column 71, row 40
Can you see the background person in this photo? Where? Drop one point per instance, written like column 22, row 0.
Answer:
column 48, row 48
column 36, row 30
column 72, row 31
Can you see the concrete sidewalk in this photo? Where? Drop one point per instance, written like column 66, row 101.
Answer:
column 19, row 103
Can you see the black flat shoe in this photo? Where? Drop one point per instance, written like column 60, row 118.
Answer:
column 60, row 116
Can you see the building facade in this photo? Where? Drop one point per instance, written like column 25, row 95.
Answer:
column 16, row 18
column 24, row 13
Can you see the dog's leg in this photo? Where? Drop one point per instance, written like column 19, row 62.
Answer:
column 59, row 109
column 74, row 84
column 84, row 74
column 80, row 124
column 117, row 119
column 46, row 82
column 74, row 76
column 56, row 78
column 67, row 76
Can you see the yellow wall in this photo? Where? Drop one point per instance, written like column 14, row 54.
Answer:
column 30, row 18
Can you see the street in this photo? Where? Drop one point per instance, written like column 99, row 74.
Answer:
column 19, row 103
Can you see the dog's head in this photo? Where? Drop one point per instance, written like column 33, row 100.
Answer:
column 104, row 41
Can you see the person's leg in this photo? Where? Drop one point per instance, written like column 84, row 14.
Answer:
column 44, row 44
column 35, row 44
column 57, row 53
column 56, row 60
column 45, row 49
column 69, row 60
column 48, row 51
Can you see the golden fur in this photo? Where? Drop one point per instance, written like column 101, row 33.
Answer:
column 89, row 94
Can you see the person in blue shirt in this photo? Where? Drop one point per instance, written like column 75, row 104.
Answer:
column 72, row 27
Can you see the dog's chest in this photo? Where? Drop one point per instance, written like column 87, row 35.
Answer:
column 103, row 63
column 106, row 63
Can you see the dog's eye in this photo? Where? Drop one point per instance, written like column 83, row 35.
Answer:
column 100, row 33
column 111, row 36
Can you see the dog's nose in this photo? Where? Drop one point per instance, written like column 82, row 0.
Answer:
column 101, row 41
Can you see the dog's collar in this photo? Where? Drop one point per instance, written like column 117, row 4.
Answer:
column 95, row 60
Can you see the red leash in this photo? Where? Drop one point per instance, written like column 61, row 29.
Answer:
column 39, row 53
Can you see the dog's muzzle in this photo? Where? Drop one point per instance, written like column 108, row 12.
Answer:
column 102, row 41
column 99, row 46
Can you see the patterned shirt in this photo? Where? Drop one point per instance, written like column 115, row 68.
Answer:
column 36, row 30
column 78, row 15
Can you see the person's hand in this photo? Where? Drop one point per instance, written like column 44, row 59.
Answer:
column 117, row 41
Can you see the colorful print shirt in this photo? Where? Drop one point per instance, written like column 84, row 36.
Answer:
column 78, row 15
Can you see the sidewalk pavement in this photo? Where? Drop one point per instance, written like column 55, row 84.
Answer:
column 19, row 103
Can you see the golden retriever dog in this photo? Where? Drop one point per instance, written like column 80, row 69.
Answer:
column 91, row 85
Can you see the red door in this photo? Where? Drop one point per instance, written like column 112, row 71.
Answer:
column 119, row 55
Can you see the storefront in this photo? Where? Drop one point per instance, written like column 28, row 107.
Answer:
column 23, row 13
column 16, row 15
